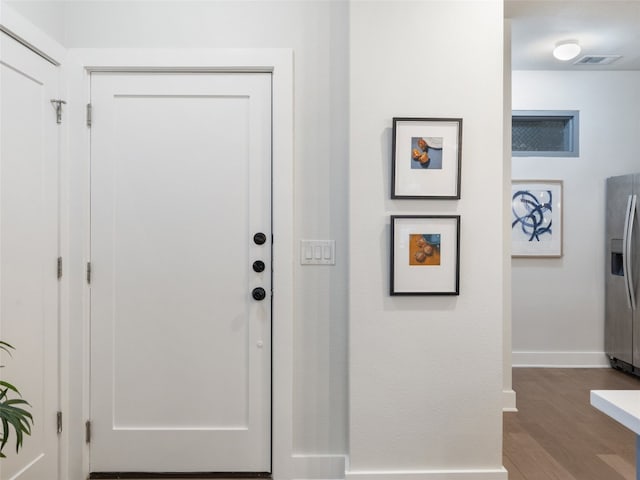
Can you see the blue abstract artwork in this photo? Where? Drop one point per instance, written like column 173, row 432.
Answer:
column 532, row 215
column 536, row 218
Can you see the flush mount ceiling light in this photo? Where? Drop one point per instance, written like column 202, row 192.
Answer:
column 566, row 50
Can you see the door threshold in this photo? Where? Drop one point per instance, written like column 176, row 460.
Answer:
column 180, row 475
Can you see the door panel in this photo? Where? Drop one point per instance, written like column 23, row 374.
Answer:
column 180, row 351
column 28, row 252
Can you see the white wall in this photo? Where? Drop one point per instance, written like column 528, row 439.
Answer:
column 558, row 304
column 509, row 396
column 47, row 16
column 317, row 32
column 426, row 372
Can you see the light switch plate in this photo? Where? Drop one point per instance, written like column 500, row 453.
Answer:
column 317, row 252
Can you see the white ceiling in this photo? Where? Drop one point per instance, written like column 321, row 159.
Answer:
column 604, row 27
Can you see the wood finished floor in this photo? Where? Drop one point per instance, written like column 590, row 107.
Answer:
column 556, row 433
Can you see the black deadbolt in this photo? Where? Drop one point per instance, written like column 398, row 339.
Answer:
column 258, row 293
column 258, row 266
column 259, row 238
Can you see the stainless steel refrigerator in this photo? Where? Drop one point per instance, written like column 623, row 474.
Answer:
column 622, row 269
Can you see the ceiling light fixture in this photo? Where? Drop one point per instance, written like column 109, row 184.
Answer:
column 566, row 50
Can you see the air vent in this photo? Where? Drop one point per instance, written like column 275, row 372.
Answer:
column 597, row 59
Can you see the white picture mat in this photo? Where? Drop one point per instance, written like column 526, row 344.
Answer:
column 426, row 182
column 425, row 278
column 548, row 246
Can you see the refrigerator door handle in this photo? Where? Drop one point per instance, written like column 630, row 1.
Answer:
column 626, row 250
column 632, row 216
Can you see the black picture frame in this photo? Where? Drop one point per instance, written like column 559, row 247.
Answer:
column 426, row 158
column 425, row 255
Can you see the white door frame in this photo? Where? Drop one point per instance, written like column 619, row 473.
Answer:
column 78, row 66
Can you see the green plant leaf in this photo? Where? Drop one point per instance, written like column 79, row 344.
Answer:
column 5, row 434
column 13, row 416
column 8, row 386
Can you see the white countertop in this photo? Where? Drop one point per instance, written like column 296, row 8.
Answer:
column 621, row 405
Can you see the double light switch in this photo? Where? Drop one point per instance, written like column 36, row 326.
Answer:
column 317, row 252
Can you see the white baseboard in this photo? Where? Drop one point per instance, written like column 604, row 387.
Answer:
column 480, row 474
column 319, row 467
column 509, row 401
column 560, row 359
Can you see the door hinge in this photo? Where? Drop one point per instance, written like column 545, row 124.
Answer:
column 89, row 111
column 59, row 422
column 57, row 104
column 87, row 431
column 59, row 268
column 89, row 273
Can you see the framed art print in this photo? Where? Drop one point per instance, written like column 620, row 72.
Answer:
column 536, row 218
column 425, row 255
column 426, row 158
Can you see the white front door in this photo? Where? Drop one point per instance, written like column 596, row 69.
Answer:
column 28, row 252
column 180, row 206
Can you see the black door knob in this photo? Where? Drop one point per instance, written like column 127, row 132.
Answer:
column 258, row 293
column 258, row 266
column 259, row 238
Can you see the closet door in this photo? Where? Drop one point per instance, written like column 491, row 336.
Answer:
column 180, row 272
column 29, row 252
